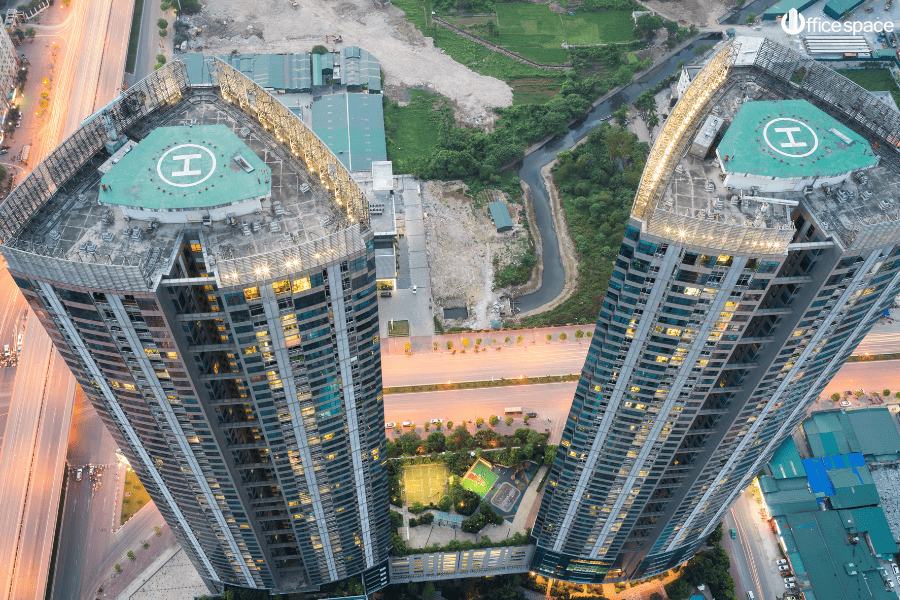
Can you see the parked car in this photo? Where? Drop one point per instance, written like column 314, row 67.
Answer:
column 896, row 569
column 389, row 425
column 784, row 568
column 891, row 582
column 790, row 585
column 532, row 415
column 436, row 421
column 848, row 393
column 845, row 403
column 78, row 474
column 407, row 423
column 790, row 579
column 781, row 561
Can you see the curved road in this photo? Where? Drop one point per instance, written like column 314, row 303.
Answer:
column 554, row 277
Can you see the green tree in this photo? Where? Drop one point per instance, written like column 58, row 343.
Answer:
column 525, row 419
column 507, row 339
column 885, row 392
column 416, row 507
column 435, row 442
column 410, row 442
column 579, row 334
column 549, row 454
column 449, row 425
column 509, row 420
column 449, row 345
column 678, row 589
column 548, row 337
column 162, row 23
column 716, row 536
column 563, row 337
column 164, row 5
column 428, row 589
column 478, row 341
column 130, row 554
column 750, row 18
column 412, row 589
column 835, row 396
column 519, row 339
column 118, row 568
column 493, row 420
column 161, row 59
column 30, row 33
column 479, row 422
column 319, row 49
column 187, row 7
column 858, row 393
column 163, row 33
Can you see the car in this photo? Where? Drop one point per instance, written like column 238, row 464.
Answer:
column 845, row 403
column 407, row 423
column 532, row 415
column 896, row 569
column 6, row 349
column 784, row 568
column 898, row 579
column 790, row 579
column 415, row 287
column 436, row 421
column 78, row 474
column 790, row 585
column 848, row 393
column 781, row 561
column 390, row 425
column 891, row 582
column 733, row 533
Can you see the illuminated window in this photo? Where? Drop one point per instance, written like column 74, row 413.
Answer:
column 634, row 388
column 172, row 355
column 250, row 349
column 196, row 248
column 671, row 331
column 662, row 359
column 251, row 293
column 299, row 285
column 281, row 287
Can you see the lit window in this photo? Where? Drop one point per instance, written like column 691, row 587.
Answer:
column 251, row 293
column 281, row 287
column 671, row 331
column 299, row 285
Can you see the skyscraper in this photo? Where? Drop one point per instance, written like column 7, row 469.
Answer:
column 205, row 266
column 763, row 244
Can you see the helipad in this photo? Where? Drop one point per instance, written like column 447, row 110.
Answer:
column 182, row 168
column 790, row 139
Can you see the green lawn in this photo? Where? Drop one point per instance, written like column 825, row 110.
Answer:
column 537, row 33
column 874, row 80
column 134, row 498
column 412, row 130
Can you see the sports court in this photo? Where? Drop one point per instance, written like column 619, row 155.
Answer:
column 425, row 483
column 480, row 478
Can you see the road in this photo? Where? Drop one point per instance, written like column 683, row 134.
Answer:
column 754, row 552
column 550, row 400
column 13, row 315
column 149, row 42
column 536, row 361
column 32, row 465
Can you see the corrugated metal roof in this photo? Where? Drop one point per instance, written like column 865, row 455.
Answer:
column 786, row 461
column 282, row 72
column 836, row 8
column 360, row 68
column 871, row 519
column 353, row 127
column 500, row 214
column 875, row 431
column 785, row 5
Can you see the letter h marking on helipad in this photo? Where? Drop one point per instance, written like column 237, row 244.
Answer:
column 186, row 159
column 789, row 131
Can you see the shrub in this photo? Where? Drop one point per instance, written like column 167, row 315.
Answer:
column 466, row 343
column 118, row 568
column 494, row 420
column 413, row 522
column 563, row 337
column 478, row 341
column 835, row 396
column 479, row 422
column 161, row 59
column 449, row 345
column 885, row 393
column 579, row 334
column 319, row 49
column 509, row 420
column 130, row 554
column 519, row 339
column 507, row 339
column 549, row 337
column 162, row 23
column 416, row 507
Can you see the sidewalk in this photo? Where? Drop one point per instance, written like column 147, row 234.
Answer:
column 490, row 339
column 171, row 576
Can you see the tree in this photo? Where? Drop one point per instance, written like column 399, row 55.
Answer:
column 493, row 420
column 478, row 341
column 449, row 345
column 716, row 536
column 579, row 334
column 162, row 23
column 858, row 393
column 678, row 589
column 525, row 419
column 393, row 449
column 412, row 589
column 750, row 18
column 449, row 425
column 30, row 33
column 563, row 337
column 509, row 420
column 621, row 114
column 163, row 33
column 835, row 396
column 130, row 554
column 549, row 455
column 161, row 59
column 410, row 443
column 444, row 504
column 416, row 507
column 479, row 422
column 507, row 339
column 319, row 49
column 118, row 568
column 428, row 588
column 435, row 442
column 164, row 5
column 885, row 393
column 465, row 342
column 549, row 337
column 407, row 347
column 519, row 339
column 188, row 7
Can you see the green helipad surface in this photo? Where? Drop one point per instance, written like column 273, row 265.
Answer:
column 186, row 167
column 791, row 138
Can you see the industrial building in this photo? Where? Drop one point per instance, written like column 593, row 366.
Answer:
column 352, row 125
column 820, row 492
column 741, row 287
column 205, row 266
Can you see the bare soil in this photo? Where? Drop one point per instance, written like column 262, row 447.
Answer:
column 462, row 243
column 407, row 58
column 690, row 12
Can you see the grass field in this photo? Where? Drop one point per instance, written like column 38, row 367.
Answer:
column 534, row 90
column 480, row 479
column 425, row 483
column 874, row 80
column 134, row 498
column 412, row 130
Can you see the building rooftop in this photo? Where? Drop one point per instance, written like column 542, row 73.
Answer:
column 353, row 127
column 281, row 72
column 791, row 138
column 786, row 461
column 184, row 167
column 872, row 432
column 87, row 231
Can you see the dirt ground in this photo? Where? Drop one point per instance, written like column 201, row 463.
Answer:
column 407, row 57
column 690, row 12
column 462, row 243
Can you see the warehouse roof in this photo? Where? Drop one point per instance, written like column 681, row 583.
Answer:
column 186, row 167
column 786, row 5
column 786, row 461
column 500, row 214
column 871, row 519
column 288, row 72
column 353, row 127
column 358, row 67
column 791, row 138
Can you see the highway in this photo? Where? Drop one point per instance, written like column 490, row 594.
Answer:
column 536, row 361
column 32, row 465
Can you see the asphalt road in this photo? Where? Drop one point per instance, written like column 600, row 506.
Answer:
column 149, row 42
column 753, row 553
column 32, row 465
column 551, row 401
column 535, row 361
column 13, row 315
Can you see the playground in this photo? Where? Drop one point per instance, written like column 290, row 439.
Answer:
column 480, row 478
column 425, row 483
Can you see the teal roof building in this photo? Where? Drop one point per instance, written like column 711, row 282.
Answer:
column 352, row 125
column 360, row 70
column 500, row 214
column 275, row 72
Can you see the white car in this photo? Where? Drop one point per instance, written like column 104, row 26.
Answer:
column 784, row 568
column 845, row 403
column 436, row 421
column 78, row 474
column 891, row 582
column 781, row 561
column 896, row 569
column 389, row 425
column 790, row 585
column 407, row 423
column 790, row 579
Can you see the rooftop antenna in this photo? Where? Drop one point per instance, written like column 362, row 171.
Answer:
column 113, row 141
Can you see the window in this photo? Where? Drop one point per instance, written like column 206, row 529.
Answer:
column 281, row 287
column 300, row 285
column 251, row 293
